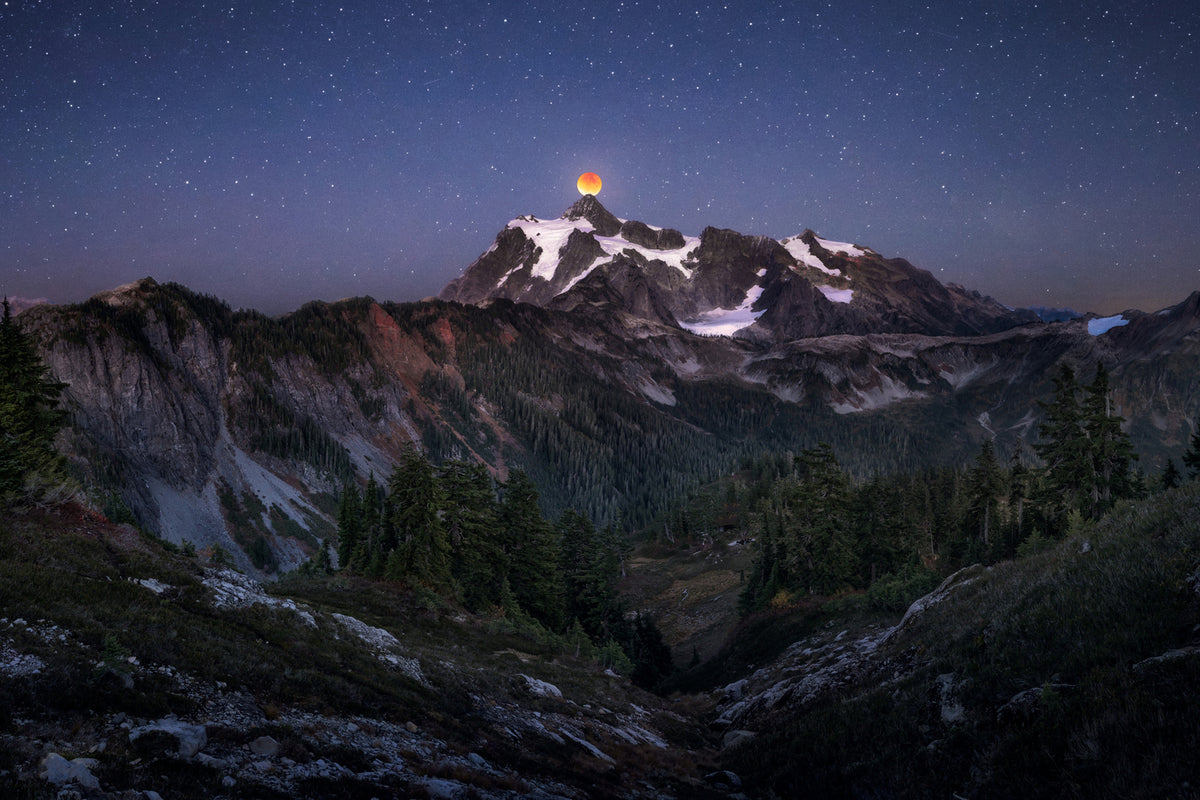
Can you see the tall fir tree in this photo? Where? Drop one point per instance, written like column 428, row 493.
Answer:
column 424, row 549
column 1067, row 472
column 349, row 527
column 1109, row 446
column 469, row 519
column 1170, row 475
column 1191, row 458
column 531, row 549
column 823, row 511
column 985, row 488
column 30, row 418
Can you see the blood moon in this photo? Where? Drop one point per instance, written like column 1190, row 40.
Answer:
column 589, row 183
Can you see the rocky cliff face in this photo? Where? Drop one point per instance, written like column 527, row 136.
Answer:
column 722, row 282
column 224, row 428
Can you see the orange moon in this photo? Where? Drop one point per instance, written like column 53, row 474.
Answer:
column 589, row 183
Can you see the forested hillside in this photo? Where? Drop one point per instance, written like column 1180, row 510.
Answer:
column 229, row 428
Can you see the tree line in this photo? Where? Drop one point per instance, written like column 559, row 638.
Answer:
column 30, row 418
column 454, row 530
column 818, row 532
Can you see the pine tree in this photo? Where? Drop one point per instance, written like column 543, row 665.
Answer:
column 1170, row 476
column 425, row 556
column 1109, row 447
column 759, row 584
column 1191, row 458
column 818, row 537
column 985, row 487
column 349, row 527
column 651, row 657
column 590, row 571
column 1018, row 492
column 469, row 519
column 1067, row 473
column 371, row 512
column 29, row 418
column 531, row 549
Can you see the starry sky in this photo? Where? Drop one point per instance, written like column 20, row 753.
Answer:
column 272, row 153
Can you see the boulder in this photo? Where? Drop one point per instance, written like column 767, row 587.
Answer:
column 736, row 737
column 60, row 771
column 190, row 739
column 542, row 688
column 264, row 746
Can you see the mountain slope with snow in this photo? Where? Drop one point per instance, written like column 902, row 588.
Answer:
column 721, row 282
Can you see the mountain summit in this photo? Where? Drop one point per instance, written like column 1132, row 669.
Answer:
column 721, row 282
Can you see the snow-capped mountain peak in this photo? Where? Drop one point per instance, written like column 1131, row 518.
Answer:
column 720, row 282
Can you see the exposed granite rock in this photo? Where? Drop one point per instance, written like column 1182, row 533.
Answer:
column 190, row 738
column 59, row 771
column 589, row 208
column 653, row 238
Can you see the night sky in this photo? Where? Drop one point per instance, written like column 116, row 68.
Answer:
column 272, row 153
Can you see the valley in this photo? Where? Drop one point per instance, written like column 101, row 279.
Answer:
column 378, row 549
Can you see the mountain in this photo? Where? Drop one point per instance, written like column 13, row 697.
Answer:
column 1069, row 672
column 131, row 672
column 132, row 663
column 580, row 351
column 722, row 282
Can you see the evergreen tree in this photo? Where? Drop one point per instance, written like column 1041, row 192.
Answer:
column 651, row 657
column 424, row 548
column 1018, row 492
column 371, row 512
column 1191, row 458
column 350, row 538
column 325, row 558
column 1067, row 473
column 29, row 418
column 531, row 550
column 759, row 586
column 818, row 536
column 1109, row 447
column 1170, row 476
column 985, row 487
column 590, row 571
column 469, row 519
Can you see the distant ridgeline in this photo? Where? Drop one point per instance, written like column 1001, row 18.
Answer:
column 230, row 428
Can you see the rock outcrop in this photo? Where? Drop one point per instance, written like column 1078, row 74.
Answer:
column 798, row 287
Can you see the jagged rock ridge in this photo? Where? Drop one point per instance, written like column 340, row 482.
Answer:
column 721, row 282
column 223, row 428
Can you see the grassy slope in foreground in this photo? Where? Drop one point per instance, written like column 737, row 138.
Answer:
column 1072, row 673
column 102, row 631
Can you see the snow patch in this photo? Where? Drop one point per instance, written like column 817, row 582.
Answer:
column 615, row 245
column 802, row 253
column 1103, row 325
column 837, row 295
column 841, row 247
column 552, row 237
column 962, row 377
column 726, row 321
